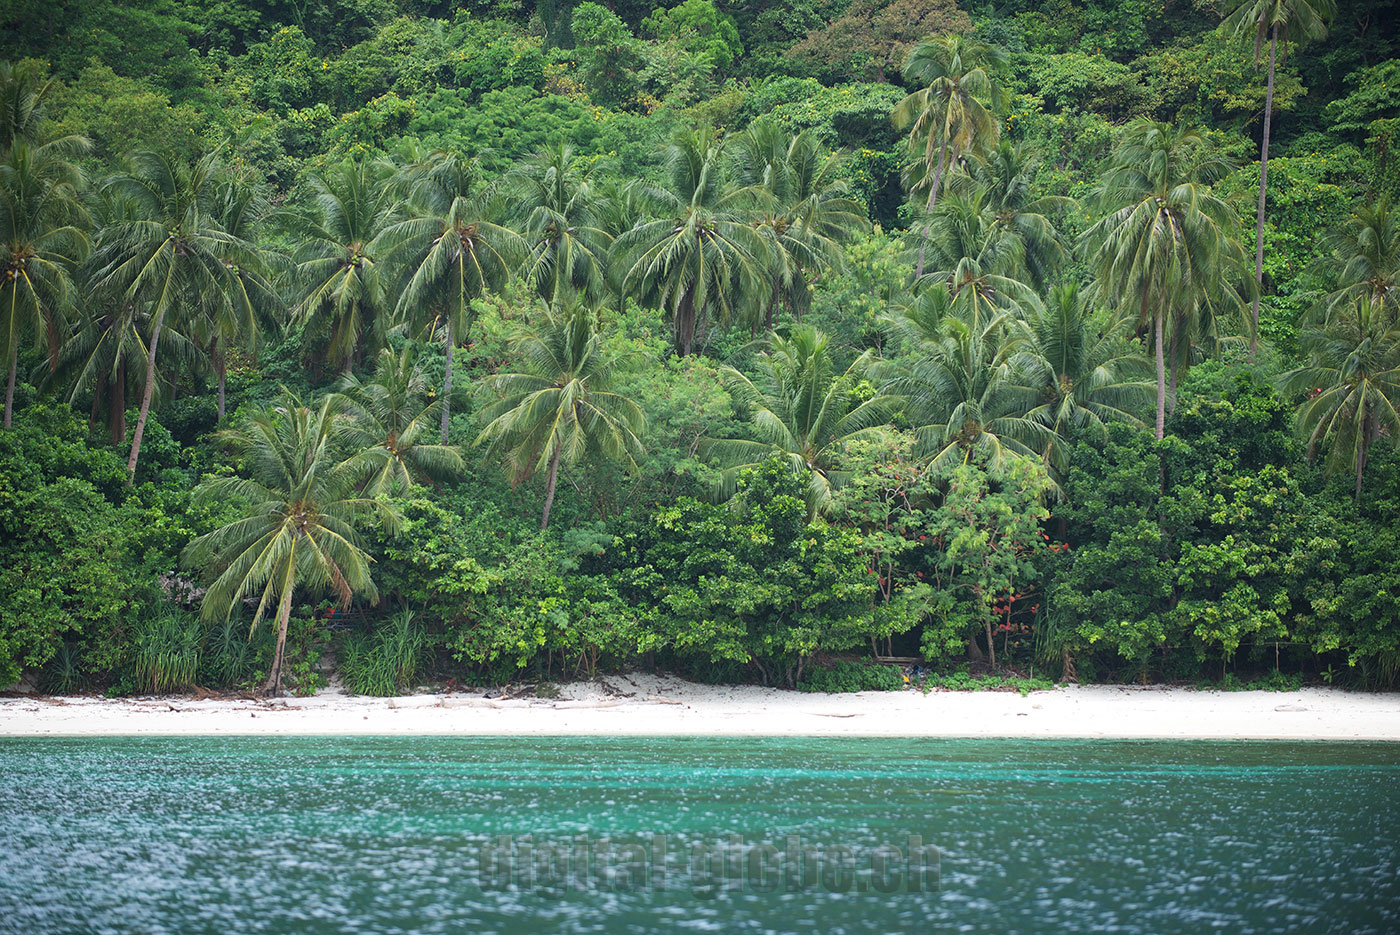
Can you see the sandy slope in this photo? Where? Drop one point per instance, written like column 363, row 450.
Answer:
column 645, row 704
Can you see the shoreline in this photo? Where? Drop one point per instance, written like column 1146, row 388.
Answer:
column 648, row 705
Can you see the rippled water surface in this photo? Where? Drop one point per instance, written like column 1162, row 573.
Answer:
column 410, row 834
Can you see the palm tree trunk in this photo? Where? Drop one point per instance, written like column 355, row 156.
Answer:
column 10, row 386
column 284, row 614
column 145, row 400
column 1161, row 376
column 549, row 486
column 1263, row 182
column 116, row 407
column 932, row 200
column 447, row 380
column 99, row 392
column 685, row 322
column 221, row 365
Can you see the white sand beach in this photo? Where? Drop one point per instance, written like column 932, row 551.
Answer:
column 640, row 704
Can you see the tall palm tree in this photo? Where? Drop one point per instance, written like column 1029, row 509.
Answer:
column 41, row 241
column 805, row 211
column 954, row 110
column 335, row 267
column 388, row 418
column 1352, row 384
column 173, row 255
column 1366, row 259
column 700, row 259
column 105, row 353
column 958, row 388
column 240, row 208
column 300, row 519
column 1167, row 243
column 802, row 410
column 1085, row 373
column 557, row 205
column 557, row 408
column 1298, row 20
column 447, row 252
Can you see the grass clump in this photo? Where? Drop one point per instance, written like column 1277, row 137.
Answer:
column 385, row 662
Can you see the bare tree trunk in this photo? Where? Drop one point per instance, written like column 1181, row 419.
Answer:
column 447, row 380
column 116, row 407
column 1263, row 183
column 1161, row 377
column 145, row 400
column 549, row 486
column 991, row 645
column 284, row 613
column 10, row 386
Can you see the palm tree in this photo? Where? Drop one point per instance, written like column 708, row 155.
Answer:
column 299, row 524
column 805, row 210
column 1299, row 20
column 954, row 110
column 41, row 241
column 335, row 267
column 105, row 354
column 447, row 252
column 1020, row 226
column 1166, row 243
column 23, row 95
column 958, row 388
column 1366, row 259
column 978, row 258
column 701, row 258
column 173, row 255
column 801, row 409
column 387, row 418
column 240, row 208
column 557, row 204
column 1084, row 371
column 558, row 408
column 1352, row 383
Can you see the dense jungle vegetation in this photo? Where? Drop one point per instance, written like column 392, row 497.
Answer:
column 479, row 340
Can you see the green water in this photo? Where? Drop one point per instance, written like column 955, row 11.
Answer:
column 389, row 835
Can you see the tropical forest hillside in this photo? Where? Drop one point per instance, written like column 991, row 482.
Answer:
column 470, row 341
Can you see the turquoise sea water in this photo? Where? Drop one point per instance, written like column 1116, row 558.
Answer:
column 390, row 835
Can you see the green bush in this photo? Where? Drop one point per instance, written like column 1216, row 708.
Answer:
column 848, row 675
